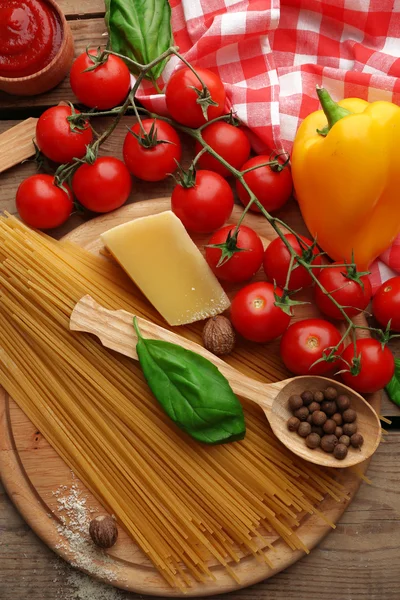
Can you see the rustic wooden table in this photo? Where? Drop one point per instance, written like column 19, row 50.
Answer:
column 360, row 560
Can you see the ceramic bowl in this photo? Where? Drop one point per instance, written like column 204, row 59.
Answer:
column 53, row 73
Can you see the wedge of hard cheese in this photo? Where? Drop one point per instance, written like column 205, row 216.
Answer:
column 163, row 261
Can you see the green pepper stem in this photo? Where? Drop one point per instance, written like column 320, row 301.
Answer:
column 332, row 110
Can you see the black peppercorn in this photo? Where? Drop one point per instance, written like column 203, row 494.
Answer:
column 343, row 402
column 316, row 429
column 349, row 428
column 293, row 423
column 329, row 426
column 329, row 407
column 313, row 440
column 319, row 418
column 319, row 396
column 302, row 413
column 340, row 451
column 295, row 402
column 338, row 432
column 307, row 397
column 337, row 417
column 356, row 440
column 349, row 415
column 330, row 393
column 304, row 429
column 313, row 407
column 344, row 439
column 328, row 443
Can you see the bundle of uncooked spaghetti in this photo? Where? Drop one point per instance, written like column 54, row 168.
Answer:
column 183, row 503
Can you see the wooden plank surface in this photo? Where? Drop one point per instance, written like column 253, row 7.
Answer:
column 81, row 8
column 358, row 561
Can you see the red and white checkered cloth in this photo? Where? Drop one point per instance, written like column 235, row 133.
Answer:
column 271, row 55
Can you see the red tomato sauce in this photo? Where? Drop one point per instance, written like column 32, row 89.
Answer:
column 30, row 36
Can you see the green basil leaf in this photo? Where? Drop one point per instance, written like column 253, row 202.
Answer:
column 191, row 390
column 393, row 387
column 140, row 30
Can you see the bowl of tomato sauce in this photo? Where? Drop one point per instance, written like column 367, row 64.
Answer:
column 36, row 46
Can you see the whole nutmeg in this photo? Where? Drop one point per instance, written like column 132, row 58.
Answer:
column 304, row 429
column 219, row 335
column 349, row 415
column 302, row 413
column 319, row 396
column 328, row 443
column 293, row 423
column 103, row 531
column 350, row 428
column 313, row 440
column 307, row 397
column 356, row 440
column 340, row 451
column 319, row 418
column 338, row 432
column 344, row 439
column 316, row 429
column 329, row 426
column 337, row 417
column 295, row 402
column 343, row 402
column 329, row 407
column 330, row 393
column 313, row 407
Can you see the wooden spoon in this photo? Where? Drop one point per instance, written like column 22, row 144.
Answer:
column 115, row 331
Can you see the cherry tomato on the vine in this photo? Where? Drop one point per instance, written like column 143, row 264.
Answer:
column 103, row 186
column 42, row 204
column 254, row 314
column 242, row 265
column 376, row 366
column 350, row 294
column 277, row 262
column 386, row 304
column 272, row 187
column 184, row 96
column 228, row 141
column 205, row 205
column 103, row 87
column 152, row 155
column 305, row 342
column 55, row 138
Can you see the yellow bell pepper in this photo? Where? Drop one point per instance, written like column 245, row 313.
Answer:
column 346, row 174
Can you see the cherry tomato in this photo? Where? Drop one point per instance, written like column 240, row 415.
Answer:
column 206, row 205
column 105, row 86
column 242, row 265
column 376, row 366
column 346, row 291
column 386, row 304
column 272, row 188
column 277, row 261
column 41, row 204
column 305, row 342
column 56, row 139
column 228, row 141
column 183, row 100
column 156, row 155
column 254, row 314
column 103, row 186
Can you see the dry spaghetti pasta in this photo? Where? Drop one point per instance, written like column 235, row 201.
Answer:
column 183, row 503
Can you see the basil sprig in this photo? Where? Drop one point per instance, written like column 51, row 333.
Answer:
column 140, row 29
column 191, row 390
column 393, row 387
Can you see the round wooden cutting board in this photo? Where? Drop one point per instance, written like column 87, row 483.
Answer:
column 32, row 472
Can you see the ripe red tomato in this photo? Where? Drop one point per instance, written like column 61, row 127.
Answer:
column 376, row 366
column 242, row 265
column 272, row 188
column 346, row 291
column 386, row 304
column 103, row 186
column 254, row 314
column 41, row 204
column 154, row 157
column 305, row 342
column 56, row 139
column 183, row 100
column 105, row 86
column 228, row 141
column 277, row 261
column 206, row 205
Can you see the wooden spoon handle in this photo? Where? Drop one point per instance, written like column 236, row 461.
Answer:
column 115, row 330
column 16, row 144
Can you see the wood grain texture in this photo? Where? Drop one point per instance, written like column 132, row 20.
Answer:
column 73, row 9
column 16, row 144
column 358, row 561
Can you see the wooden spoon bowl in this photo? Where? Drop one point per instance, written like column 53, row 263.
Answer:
column 277, row 410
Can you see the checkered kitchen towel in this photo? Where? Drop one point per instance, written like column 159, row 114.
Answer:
column 271, row 55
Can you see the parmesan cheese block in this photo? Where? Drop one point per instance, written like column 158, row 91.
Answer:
column 164, row 262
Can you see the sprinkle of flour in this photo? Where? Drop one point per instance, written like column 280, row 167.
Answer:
column 75, row 518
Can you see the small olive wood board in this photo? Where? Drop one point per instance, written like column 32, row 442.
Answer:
column 31, row 470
